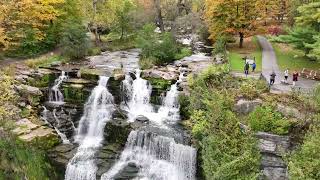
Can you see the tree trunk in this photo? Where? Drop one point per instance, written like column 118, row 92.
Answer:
column 159, row 15
column 122, row 31
column 95, row 26
column 241, row 39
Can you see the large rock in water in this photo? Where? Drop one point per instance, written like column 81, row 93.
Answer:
column 245, row 107
column 272, row 147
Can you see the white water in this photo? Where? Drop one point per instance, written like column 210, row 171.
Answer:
column 139, row 94
column 45, row 118
column 97, row 112
column 170, row 109
column 158, row 158
column 55, row 94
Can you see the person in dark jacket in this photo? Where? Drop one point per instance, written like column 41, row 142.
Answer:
column 246, row 69
column 295, row 76
column 254, row 65
column 272, row 78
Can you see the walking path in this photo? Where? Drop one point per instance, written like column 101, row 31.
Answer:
column 269, row 64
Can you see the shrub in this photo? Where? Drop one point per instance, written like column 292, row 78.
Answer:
column 146, row 63
column 20, row 161
column 220, row 45
column 94, row 51
column 162, row 47
column 304, row 162
column 226, row 152
column 267, row 119
column 251, row 89
column 183, row 52
column 74, row 40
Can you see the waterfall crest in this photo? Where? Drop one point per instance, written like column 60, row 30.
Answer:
column 55, row 95
column 139, row 97
column 157, row 157
column 97, row 112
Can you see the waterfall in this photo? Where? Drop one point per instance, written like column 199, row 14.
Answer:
column 139, row 94
column 157, row 157
column 170, row 109
column 55, row 94
column 60, row 134
column 97, row 111
column 126, row 88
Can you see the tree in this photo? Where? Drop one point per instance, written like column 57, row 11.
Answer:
column 123, row 17
column 299, row 37
column 74, row 41
column 309, row 16
column 231, row 17
column 20, row 19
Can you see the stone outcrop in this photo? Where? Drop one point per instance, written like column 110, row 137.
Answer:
column 33, row 133
column 290, row 112
column 28, row 90
column 272, row 148
column 245, row 106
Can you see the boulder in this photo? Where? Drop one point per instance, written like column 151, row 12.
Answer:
column 272, row 173
column 29, row 90
column 290, row 111
column 155, row 73
column 271, row 143
column 24, row 126
column 272, row 147
column 245, row 107
column 142, row 119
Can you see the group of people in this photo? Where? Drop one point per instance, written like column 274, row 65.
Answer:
column 247, row 67
column 273, row 75
column 295, row 76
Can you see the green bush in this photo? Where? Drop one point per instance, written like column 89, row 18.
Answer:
column 220, row 45
column 74, row 40
column 183, row 52
column 251, row 89
column 20, row 161
column 226, row 152
column 146, row 63
column 267, row 119
column 94, row 51
column 162, row 47
column 304, row 163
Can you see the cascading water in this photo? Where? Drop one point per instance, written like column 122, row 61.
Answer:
column 55, row 94
column 170, row 109
column 60, row 134
column 157, row 158
column 139, row 103
column 97, row 112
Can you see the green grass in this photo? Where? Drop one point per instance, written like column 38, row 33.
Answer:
column 254, row 50
column 293, row 59
column 44, row 61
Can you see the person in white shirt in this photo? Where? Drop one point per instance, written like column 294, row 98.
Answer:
column 286, row 75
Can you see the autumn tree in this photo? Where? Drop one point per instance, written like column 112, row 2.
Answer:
column 26, row 20
column 231, row 17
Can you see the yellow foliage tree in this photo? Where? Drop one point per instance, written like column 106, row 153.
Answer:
column 18, row 15
column 231, row 17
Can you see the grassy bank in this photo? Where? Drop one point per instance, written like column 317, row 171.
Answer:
column 251, row 49
column 293, row 59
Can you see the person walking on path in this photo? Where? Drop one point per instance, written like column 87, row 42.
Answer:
column 272, row 78
column 246, row 69
column 286, row 75
column 295, row 76
column 254, row 65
